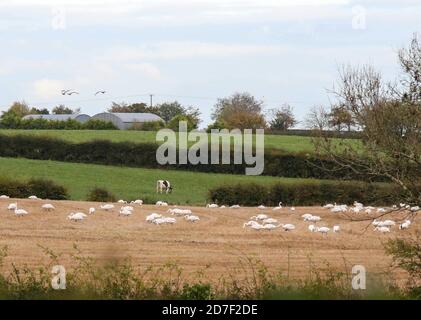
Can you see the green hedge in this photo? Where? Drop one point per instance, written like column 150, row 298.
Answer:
column 306, row 194
column 70, row 124
column 44, row 189
column 143, row 155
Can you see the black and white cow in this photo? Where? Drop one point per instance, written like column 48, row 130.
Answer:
column 163, row 185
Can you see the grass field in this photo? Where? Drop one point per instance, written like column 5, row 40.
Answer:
column 287, row 143
column 126, row 183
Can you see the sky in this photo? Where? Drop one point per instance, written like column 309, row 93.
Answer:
column 280, row 51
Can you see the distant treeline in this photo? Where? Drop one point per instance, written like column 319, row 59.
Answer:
column 307, row 193
column 311, row 133
column 143, row 155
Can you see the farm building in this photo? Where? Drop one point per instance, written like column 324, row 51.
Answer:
column 59, row 117
column 127, row 120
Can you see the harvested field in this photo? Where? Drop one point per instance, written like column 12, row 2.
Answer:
column 218, row 240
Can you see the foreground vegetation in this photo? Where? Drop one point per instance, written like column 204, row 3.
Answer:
column 250, row 280
column 293, row 144
column 127, row 183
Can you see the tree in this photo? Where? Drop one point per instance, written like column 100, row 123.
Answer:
column 283, row 118
column 39, row 111
column 62, row 109
column 132, row 108
column 339, row 117
column 175, row 122
column 169, row 110
column 228, row 111
column 12, row 117
column 19, row 109
column 389, row 116
column 317, row 118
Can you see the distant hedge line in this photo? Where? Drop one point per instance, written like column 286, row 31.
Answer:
column 143, row 155
column 70, row 124
column 306, row 193
column 44, row 189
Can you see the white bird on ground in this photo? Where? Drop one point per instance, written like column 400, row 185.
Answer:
column 339, row 208
column 78, row 216
column 222, row 207
column 48, row 207
column 91, row 210
column 323, row 230
column 107, row 207
column 387, row 223
column 415, row 209
column 121, row 201
column 3, row 196
column 329, row 206
column 250, row 223
column 381, row 210
column 306, row 216
column 288, row 227
column 235, row 206
column 12, row 206
column 127, row 208
column 270, row 220
column 256, row 226
column 191, row 218
column 405, row 225
column 261, row 207
column 312, row 228
column 125, row 213
column 368, row 211
column 314, row 219
column 212, row 205
column 152, row 217
column 158, row 221
column 139, row 202
column 382, row 229
column 259, row 217
column 358, row 204
column 170, row 220
column 162, row 203
column 336, row 228
column 179, row 212
column 279, row 207
column 292, row 208
column 33, row 198
column 20, row 212
column 270, row 226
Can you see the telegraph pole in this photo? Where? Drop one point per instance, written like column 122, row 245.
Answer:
column 151, row 96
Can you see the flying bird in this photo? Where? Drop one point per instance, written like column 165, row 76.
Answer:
column 73, row 92
column 64, row 92
column 100, row 92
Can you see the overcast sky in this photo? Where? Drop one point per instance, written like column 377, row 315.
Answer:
column 193, row 51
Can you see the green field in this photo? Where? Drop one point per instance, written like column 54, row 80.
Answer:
column 287, row 143
column 126, row 183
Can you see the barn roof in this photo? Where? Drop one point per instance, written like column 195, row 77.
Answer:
column 56, row 117
column 137, row 117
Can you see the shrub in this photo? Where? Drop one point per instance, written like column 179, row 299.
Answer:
column 148, row 126
column 44, row 124
column 305, row 194
column 44, row 189
column 101, row 195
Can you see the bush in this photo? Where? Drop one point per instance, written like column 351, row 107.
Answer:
column 101, row 195
column 306, row 193
column 148, row 126
column 44, row 124
column 44, row 189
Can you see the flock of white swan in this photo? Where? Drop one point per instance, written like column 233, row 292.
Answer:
column 258, row 222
